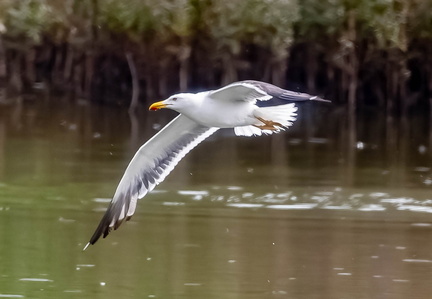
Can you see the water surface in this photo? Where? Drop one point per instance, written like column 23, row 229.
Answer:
column 297, row 215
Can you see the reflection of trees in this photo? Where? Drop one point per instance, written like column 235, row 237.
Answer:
column 326, row 145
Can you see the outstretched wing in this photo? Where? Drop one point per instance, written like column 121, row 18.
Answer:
column 150, row 165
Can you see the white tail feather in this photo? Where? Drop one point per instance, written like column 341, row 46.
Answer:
column 283, row 114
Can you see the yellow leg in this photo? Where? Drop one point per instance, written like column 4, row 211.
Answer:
column 268, row 124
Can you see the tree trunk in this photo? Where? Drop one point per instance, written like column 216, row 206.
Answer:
column 89, row 72
column 135, row 82
column 229, row 70
column 311, row 70
column 30, row 72
column 2, row 61
column 15, row 81
column 352, row 64
column 184, row 58
column 279, row 71
column 67, row 74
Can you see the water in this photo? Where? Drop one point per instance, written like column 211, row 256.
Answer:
column 293, row 216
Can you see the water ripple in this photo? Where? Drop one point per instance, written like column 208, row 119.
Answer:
column 416, row 261
column 413, row 208
column 372, row 207
column 336, row 199
column 304, row 206
column 245, row 205
column 36, row 279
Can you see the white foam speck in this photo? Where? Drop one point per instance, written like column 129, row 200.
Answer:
column 36, row 279
column 378, row 194
column 372, row 207
column 421, row 224
column 65, row 220
column 304, row 206
column 169, row 203
column 193, row 192
column 400, row 280
column 234, row 188
column 86, row 265
column 192, row 284
column 416, row 261
column 158, row 191
column 245, row 205
column 343, row 207
column 103, row 200
column 320, row 198
column 413, row 208
column 400, row 200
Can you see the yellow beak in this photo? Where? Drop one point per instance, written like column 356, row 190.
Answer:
column 157, row 106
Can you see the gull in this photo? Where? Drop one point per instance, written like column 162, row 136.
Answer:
column 252, row 108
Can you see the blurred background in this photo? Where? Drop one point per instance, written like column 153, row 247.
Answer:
column 336, row 207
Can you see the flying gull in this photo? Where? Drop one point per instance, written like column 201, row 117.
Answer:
column 252, row 108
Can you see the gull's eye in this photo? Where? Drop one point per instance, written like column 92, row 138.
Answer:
column 174, row 99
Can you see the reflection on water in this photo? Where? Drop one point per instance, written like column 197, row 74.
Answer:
column 297, row 215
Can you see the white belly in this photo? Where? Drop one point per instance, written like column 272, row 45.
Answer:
column 224, row 114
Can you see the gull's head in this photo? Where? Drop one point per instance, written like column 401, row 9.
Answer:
column 177, row 102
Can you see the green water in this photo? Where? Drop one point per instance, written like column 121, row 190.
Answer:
column 282, row 217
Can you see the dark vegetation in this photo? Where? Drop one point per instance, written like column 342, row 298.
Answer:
column 356, row 52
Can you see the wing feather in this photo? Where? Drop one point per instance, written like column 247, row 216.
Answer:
column 240, row 91
column 283, row 94
column 150, row 165
column 251, row 90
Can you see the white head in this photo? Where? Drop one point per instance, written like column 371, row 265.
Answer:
column 178, row 102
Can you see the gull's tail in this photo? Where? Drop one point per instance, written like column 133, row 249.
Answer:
column 283, row 115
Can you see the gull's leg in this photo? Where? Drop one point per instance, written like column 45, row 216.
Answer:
column 268, row 124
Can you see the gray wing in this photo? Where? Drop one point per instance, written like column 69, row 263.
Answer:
column 283, row 94
column 150, row 165
column 240, row 91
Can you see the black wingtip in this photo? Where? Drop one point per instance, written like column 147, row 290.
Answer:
column 103, row 228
